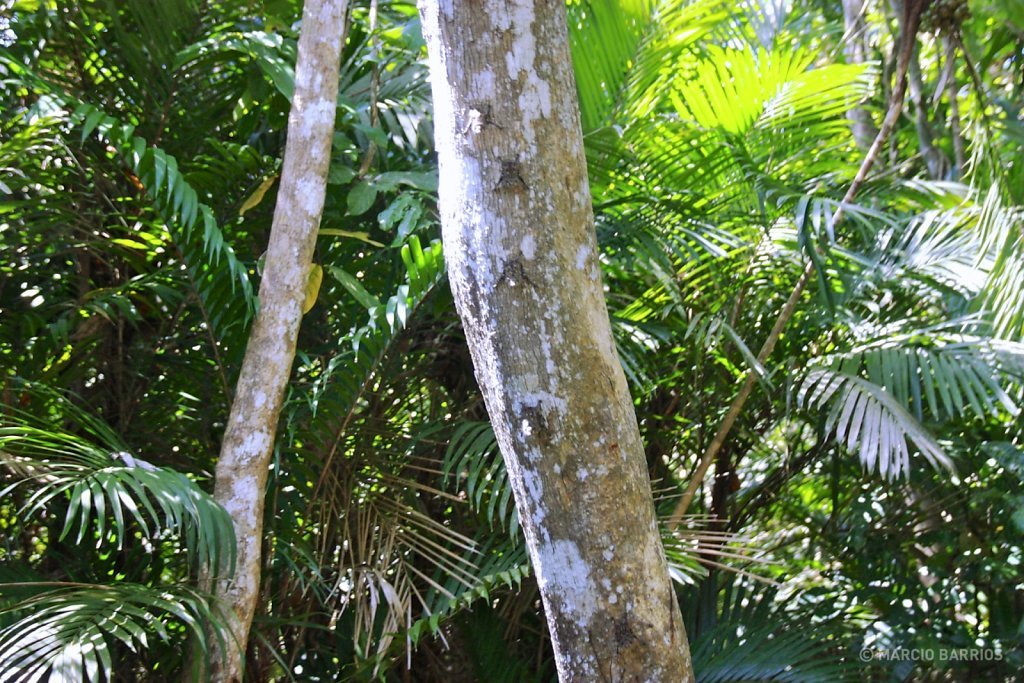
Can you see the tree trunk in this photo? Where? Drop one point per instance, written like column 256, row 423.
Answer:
column 241, row 474
column 952, row 90
column 855, row 49
column 524, row 268
column 935, row 161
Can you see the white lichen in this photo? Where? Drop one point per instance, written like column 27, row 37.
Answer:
column 540, row 399
column 534, row 488
column 528, row 247
column 253, row 445
column 242, row 498
column 581, row 256
column 309, row 195
column 560, row 561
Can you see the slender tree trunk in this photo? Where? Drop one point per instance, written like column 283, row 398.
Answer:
column 952, row 92
column 241, row 475
column 523, row 264
column 855, row 50
column 935, row 161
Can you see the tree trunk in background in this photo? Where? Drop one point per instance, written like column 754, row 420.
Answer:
column 934, row 160
column 249, row 438
column 952, row 90
column 855, row 49
column 523, row 264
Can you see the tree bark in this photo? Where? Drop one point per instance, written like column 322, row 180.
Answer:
column 935, row 161
column 952, row 91
column 241, row 474
column 524, row 268
column 855, row 49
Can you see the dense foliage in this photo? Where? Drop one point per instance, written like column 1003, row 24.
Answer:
column 868, row 499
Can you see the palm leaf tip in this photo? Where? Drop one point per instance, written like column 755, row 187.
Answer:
column 870, row 421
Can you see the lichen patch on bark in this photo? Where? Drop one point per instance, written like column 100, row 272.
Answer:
column 241, row 473
column 523, row 265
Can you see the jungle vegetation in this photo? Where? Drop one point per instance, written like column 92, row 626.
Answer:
column 867, row 500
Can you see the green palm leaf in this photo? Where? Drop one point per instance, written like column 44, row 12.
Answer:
column 108, row 492
column 357, row 439
column 951, row 375
column 68, row 633
column 870, row 421
column 1000, row 227
column 624, row 52
column 220, row 278
column 753, row 637
column 473, row 465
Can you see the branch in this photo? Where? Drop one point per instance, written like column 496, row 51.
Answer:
column 248, row 443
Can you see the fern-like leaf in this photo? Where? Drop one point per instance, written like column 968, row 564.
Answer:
column 107, row 491
column 870, row 421
column 69, row 633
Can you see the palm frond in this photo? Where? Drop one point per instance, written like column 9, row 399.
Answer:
column 869, row 420
column 951, row 375
column 473, row 466
column 625, row 52
column 381, row 552
column 209, row 257
column 1001, row 228
column 347, row 374
column 219, row 277
column 269, row 52
column 751, row 637
column 938, row 249
column 109, row 493
column 69, row 633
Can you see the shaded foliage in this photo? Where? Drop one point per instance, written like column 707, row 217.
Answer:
column 875, row 472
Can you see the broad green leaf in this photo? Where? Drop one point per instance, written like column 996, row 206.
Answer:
column 340, row 174
column 355, row 288
column 361, row 197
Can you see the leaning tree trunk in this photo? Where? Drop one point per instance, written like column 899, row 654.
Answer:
column 241, row 474
column 524, row 268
